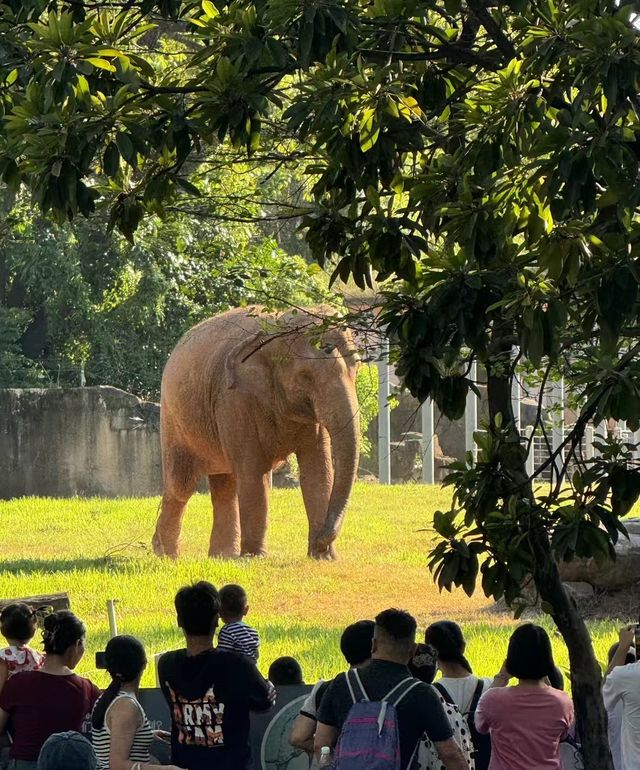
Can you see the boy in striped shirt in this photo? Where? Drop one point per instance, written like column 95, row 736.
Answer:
column 236, row 634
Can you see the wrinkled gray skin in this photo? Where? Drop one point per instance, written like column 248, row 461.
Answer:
column 240, row 393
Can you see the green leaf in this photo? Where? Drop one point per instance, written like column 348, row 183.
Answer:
column 127, row 150
column 188, row 187
column 111, row 160
column 210, row 10
column 369, row 129
column 102, row 64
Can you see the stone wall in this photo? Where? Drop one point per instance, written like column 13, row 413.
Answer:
column 78, row 441
column 103, row 441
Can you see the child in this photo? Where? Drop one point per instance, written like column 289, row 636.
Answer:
column 18, row 626
column 236, row 634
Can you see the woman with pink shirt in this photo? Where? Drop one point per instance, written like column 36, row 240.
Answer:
column 526, row 722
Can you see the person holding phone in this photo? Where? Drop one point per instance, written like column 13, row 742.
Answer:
column 621, row 693
column 121, row 732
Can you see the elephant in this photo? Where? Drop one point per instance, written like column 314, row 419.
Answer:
column 242, row 391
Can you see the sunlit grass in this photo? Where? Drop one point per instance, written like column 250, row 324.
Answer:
column 98, row 549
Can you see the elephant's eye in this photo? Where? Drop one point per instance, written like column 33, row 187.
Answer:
column 329, row 348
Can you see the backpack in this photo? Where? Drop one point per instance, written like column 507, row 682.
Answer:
column 481, row 742
column 427, row 757
column 369, row 737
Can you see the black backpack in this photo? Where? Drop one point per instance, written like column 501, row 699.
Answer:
column 481, row 742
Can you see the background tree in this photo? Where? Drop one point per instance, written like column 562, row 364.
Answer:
column 480, row 158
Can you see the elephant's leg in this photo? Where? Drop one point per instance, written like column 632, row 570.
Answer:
column 316, row 480
column 225, row 535
column 180, row 482
column 253, row 499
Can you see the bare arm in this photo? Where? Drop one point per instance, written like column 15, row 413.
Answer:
column 627, row 638
column 123, row 722
column 451, row 755
column 302, row 733
column 326, row 735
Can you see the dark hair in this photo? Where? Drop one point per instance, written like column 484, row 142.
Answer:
column 62, row 629
column 126, row 660
column 285, row 671
column 424, row 663
column 198, row 607
column 529, row 655
column 356, row 642
column 18, row 622
column 448, row 640
column 398, row 629
column 630, row 657
column 556, row 680
column 233, row 600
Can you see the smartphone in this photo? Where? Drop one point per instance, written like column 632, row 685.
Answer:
column 101, row 660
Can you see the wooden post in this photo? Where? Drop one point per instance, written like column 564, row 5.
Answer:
column 111, row 613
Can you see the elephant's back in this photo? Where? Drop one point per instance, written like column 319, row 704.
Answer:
column 193, row 376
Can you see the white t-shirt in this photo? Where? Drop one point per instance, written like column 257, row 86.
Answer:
column 462, row 689
column 623, row 686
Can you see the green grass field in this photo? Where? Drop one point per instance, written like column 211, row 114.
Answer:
column 98, row 549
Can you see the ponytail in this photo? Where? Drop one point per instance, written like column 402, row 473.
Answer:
column 103, row 703
column 448, row 640
column 126, row 660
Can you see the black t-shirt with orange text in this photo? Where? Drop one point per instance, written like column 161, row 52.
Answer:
column 210, row 696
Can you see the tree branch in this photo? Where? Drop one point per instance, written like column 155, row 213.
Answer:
column 495, row 31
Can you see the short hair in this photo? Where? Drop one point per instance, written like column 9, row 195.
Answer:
column 198, row 608
column 529, row 655
column 356, row 642
column 424, row 664
column 62, row 629
column 398, row 629
column 18, row 622
column 285, row 671
column 233, row 600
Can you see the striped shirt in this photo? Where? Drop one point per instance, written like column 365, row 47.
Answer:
column 139, row 751
column 241, row 638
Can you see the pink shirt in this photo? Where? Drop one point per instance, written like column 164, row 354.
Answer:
column 526, row 726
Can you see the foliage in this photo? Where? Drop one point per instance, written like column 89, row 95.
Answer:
column 98, row 308
column 481, row 158
column 367, row 391
column 16, row 370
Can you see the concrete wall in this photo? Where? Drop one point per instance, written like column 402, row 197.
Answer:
column 78, row 441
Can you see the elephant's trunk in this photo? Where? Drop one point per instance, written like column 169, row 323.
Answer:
column 343, row 425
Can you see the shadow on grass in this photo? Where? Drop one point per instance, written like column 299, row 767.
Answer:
column 28, row 566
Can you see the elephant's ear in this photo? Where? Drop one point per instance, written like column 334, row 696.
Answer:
column 246, row 369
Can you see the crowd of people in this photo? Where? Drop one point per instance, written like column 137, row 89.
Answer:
column 387, row 710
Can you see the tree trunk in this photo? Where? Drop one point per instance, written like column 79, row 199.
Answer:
column 586, row 678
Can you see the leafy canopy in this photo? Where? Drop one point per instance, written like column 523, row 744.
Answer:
column 480, row 158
